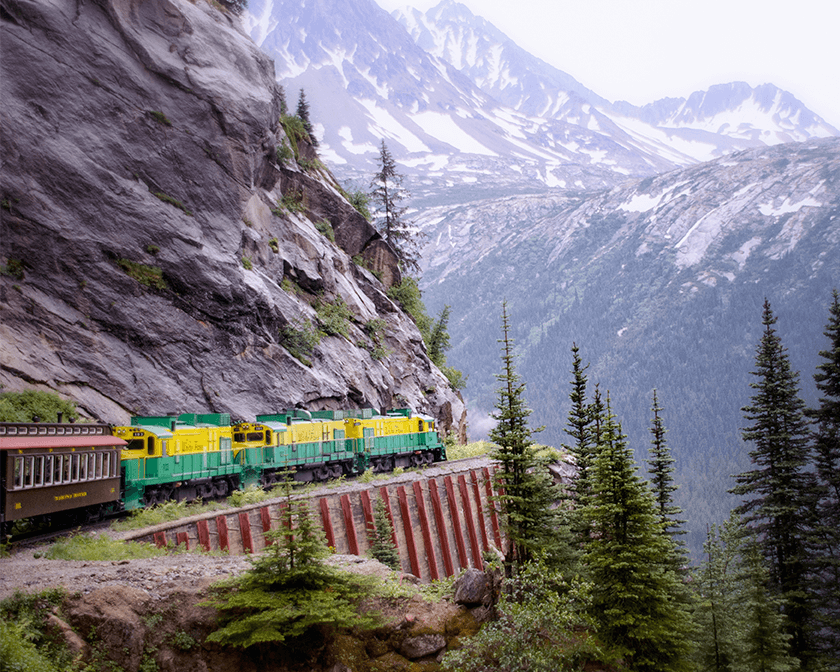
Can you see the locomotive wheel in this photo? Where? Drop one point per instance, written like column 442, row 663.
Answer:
column 417, row 460
column 220, row 488
column 322, row 473
column 336, row 471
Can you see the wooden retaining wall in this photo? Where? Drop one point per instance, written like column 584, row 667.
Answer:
column 443, row 520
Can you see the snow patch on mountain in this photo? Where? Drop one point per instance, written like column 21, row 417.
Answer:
column 769, row 210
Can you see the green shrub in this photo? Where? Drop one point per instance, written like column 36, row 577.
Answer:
column 335, row 317
column 300, row 338
column 150, row 276
column 455, row 377
column 361, row 201
column 274, row 245
column 407, row 295
column 247, row 264
column 293, row 201
column 13, row 268
column 26, row 641
column 27, row 405
column 325, row 229
column 152, row 249
column 284, row 153
column 295, row 131
column 173, row 201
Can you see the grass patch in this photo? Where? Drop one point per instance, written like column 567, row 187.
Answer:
column 13, row 268
column 150, row 276
column 164, row 513
column 299, row 337
column 247, row 264
column 325, row 229
column 94, row 548
column 462, row 451
column 173, row 201
column 160, row 117
column 274, row 245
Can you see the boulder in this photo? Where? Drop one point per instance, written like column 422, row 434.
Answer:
column 472, row 588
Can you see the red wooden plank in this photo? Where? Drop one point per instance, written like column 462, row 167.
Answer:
column 480, row 510
column 203, row 534
column 160, row 539
column 409, row 533
column 383, row 492
column 327, row 522
column 465, row 497
column 265, row 518
column 456, row 523
column 437, row 509
column 494, row 518
column 221, row 526
column 183, row 538
column 367, row 509
column 245, row 532
column 349, row 525
column 426, row 530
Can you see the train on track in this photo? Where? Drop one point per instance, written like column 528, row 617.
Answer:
column 67, row 473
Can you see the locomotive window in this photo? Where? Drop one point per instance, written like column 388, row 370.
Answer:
column 150, row 450
column 74, row 476
column 39, row 470
column 239, row 437
column 48, row 469
column 254, row 436
column 18, row 472
column 135, row 444
column 268, row 437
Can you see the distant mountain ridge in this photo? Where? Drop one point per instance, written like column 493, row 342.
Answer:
column 464, row 110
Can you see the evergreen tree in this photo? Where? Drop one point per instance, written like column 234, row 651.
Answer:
column 580, row 428
column 826, row 539
column 284, row 106
column 439, row 338
column 778, row 489
column 382, row 537
column 661, row 469
column 387, row 194
column 527, row 491
column 289, row 590
column 637, row 598
column 739, row 627
column 302, row 113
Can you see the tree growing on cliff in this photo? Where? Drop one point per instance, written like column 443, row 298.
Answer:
column 779, row 489
column 390, row 219
column 302, row 113
column 527, row 492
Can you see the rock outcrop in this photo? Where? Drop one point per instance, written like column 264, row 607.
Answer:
column 158, row 254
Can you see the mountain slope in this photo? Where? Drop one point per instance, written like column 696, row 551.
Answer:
column 660, row 283
column 148, row 264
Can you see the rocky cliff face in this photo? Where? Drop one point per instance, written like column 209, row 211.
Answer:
column 157, row 255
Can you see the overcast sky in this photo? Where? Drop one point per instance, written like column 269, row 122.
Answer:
column 643, row 50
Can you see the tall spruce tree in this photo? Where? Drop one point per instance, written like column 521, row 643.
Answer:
column 637, row 598
column 826, row 538
column 661, row 469
column 738, row 624
column 387, row 194
column 579, row 427
column 778, row 491
column 527, row 493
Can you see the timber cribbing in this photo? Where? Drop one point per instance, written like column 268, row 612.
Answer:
column 443, row 519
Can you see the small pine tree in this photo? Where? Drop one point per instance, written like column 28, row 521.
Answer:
column 661, row 469
column 284, row 106
column 528, row 493
column 302, row 113
column 439, row 338
column 580, row 428
column 289, row 590
column 382, row 537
